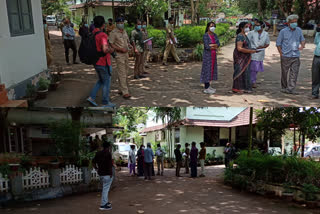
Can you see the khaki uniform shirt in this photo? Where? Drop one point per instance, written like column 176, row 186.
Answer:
column 137, row 38
column 170, row 32
column 119, row 39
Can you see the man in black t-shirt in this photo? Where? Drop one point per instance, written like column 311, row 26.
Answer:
column 102, row 162
column 178, row 155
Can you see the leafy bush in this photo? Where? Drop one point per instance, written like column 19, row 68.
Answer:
column 198, row 52
column 310, row 191
column 31, row 91
column 278, row 169
column 43, row 84
column 5, row 169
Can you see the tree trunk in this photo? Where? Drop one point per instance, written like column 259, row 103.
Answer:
column 302, row 145
column 113, row 15
column 3, row 129
column 197, row 11
column 282, row 145
column 260, row 12
column 294, row 140
column 169, row 9
column 250, row 132
column 192, row 12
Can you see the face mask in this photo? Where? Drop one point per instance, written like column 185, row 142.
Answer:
column 142, row 147
column 212, row 29
column 139, row 27
column 144, row 26
column 247, row 30
column 257, row 28
column 120, row 26
column 45, row 26
column 86, row 25
column 294, row 25
column 318, row 29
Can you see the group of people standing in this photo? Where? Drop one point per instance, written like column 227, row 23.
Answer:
column 249, row 54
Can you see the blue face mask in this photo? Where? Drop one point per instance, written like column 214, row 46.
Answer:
column 139, row 27
column 86, row 25
column 144, row 26
column 294, row 25
column 257, row 28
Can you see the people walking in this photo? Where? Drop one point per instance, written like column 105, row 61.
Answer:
column 316, row 65
column 202, row 158
column 259, row 39
column 187, row 158
column 140, row 155
column 171, row 41
column 69, row 41
column 160, row 159
column 119, row 40
column 210, row 65
column 138, row 45
column 132, row 160
column 103, row 66
column 102, row 162
column 193, row 160
column 148, row 161
column 178, row 155
column 289, row 43
column 242, row 59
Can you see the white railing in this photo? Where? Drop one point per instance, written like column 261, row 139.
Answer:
column 35, row 178
column 94, row 175
column 4, row 183
column 70, row 175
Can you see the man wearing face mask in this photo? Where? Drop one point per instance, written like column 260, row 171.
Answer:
column 170, row 43
column 138, row 45
column 119, row 40
column 69, row 42
column 259, row 39
column 316, row 65
column 289, row 43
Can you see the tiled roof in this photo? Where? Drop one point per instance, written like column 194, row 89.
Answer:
column 242, row 119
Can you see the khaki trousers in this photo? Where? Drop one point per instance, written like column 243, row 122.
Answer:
column 170, row 48
column 122, row 61
column 139, row 64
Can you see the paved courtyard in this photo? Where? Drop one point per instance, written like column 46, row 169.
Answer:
column 166, row 194
column 179, row 85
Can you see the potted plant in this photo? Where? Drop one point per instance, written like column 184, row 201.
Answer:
column 55, row 81
column 309, row 194
column 43, row 86
column 31, row 92
column 287, row 194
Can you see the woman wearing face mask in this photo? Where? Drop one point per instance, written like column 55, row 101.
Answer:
column 242, row 59
column 84, row 30
column 259, row 39
column 210, row 65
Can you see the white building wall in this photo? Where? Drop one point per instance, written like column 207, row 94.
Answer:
column 21, row 57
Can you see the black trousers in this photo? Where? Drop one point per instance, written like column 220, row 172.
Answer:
column 67, row 45
column 148, row 170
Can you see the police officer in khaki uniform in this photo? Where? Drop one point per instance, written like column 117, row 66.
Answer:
column 119, row 40
column 138, row 45
column 170, row 43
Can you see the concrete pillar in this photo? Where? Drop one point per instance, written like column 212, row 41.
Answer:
column 54, row 177
column 86, row 175
column 16, row 183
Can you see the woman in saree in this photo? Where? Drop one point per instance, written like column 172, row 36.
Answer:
column 242, row 59
column 210, row 66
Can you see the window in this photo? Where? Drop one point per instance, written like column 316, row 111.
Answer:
column 177, row 135
column 20, row 17
column 211, row 136
column 17, row 139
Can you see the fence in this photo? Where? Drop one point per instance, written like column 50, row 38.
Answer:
column 4, row 184
column 70, row 175
column 35, row 178
column 94, row 175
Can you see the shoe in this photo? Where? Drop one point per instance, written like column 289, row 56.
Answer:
column 254, row 85
column 293, row 92
column 146, row 72
column 165, row 64
column 126, row 96
column 284, row 90
column 76, row 63
column 109, row 105
column 142, row 77
column 158, row 173
column 202, row 176
column 92, row 102
column 136, row 77
column 147, row 66
column 208, row 91
column 106, row 207
column 212, row 89
column 248, row 92
column 314, row 97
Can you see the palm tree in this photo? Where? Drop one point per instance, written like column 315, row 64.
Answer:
column 168, row 116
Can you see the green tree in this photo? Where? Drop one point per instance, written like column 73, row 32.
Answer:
column 50, row 7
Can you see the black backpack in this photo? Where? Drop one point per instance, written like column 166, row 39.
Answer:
column 88, row 52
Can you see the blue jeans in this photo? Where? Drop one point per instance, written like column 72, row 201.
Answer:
column 104, row 81
column 106, row 184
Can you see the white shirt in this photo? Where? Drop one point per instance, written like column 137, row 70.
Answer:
column 257, row 40
column 132, row 156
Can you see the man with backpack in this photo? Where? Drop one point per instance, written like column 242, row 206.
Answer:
column 100, row 57
column 160, row 159
column 119, row 40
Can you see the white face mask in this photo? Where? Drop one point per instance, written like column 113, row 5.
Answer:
column 212, row 29
column 247, row 30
